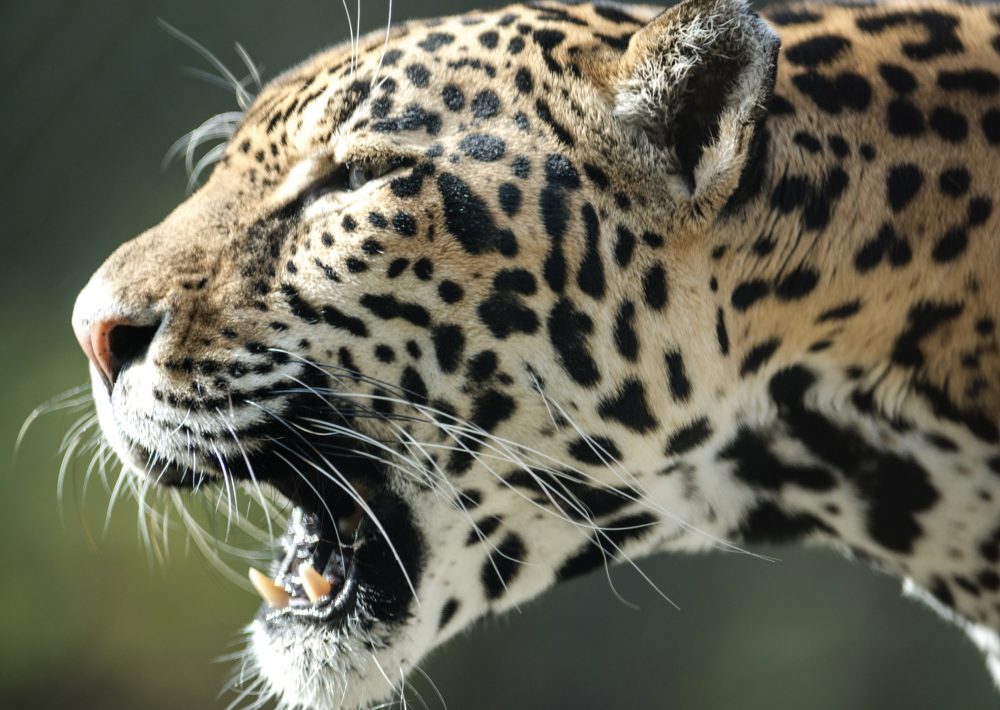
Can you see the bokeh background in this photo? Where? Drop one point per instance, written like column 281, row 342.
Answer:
column 91, row 96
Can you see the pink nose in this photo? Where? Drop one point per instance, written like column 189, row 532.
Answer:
column 113, row 344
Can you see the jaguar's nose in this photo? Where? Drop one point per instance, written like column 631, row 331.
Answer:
column 112, row 346
column 111, row 340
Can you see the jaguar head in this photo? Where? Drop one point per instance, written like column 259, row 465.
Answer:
column 405, row 302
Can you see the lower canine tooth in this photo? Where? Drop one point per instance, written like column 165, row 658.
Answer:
column 313, row 582
column 275, row 596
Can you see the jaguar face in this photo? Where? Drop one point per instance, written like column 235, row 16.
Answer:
column 389, row 303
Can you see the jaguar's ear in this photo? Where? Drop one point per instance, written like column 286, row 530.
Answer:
column 697, row 80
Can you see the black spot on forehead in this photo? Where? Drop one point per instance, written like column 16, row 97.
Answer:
column 721, row 332
column 489, row 39
column 516, row 280
column 485, row 104
column 436, row 40
column 475, row 64
column 453, row 97
column 790, row 192
column 521, row 167
column 905, row 119
column 414, row 117
column 418, row 75
column 404, row 224
column 483, row 147
column 450, row 292
column 839, row 146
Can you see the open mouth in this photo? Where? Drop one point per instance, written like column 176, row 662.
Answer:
column 331, row 496
column 352, row 553
column 316, row 577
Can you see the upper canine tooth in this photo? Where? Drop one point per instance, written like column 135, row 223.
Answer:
column 275, row 596
column 313, row 582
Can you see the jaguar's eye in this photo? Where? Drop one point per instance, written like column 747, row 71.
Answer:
column 359, row 174
column 347, row 177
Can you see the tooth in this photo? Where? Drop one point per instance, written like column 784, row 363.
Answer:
column 275, row 596
column 313, row 582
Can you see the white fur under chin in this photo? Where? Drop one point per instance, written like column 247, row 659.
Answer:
column 312, row 666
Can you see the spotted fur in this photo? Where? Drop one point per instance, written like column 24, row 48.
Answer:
column 631, row 282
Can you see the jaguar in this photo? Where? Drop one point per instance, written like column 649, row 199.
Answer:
column 492, row 301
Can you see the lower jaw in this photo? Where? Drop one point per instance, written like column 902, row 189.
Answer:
column 315, row 578
column 325, row 571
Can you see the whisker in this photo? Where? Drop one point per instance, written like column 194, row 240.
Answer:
column 335, row 476
column 78, row 396
column 242, row 96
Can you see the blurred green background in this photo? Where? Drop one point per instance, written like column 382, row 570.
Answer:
column 93, row 94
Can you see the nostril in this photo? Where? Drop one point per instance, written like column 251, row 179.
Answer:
column 112, row 345
column 126, row 344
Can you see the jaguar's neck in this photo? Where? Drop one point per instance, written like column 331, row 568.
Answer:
column 860, row 377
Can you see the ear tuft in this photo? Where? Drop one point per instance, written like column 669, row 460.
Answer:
column 697, row 80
